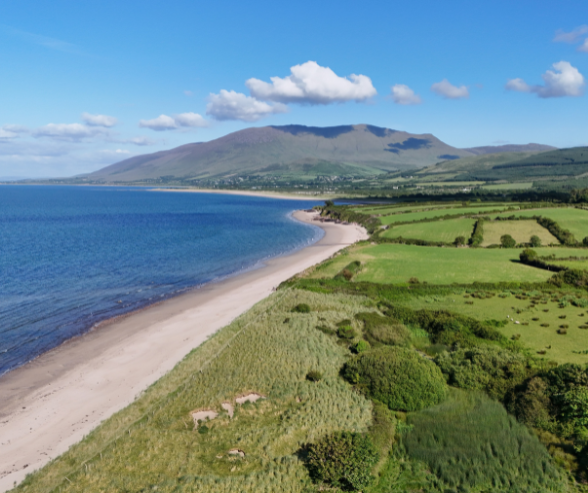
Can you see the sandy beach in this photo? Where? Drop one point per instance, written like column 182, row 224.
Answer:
column 266, row 194
column 52, row 402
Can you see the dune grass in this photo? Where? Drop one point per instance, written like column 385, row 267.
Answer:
column 396, row 264
column 472, row 444
column 521, row 231
column 444, row 231
column 574, row 220
column 153, row 443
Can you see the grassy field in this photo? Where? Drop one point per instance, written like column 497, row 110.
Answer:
column 521, row 231
column 445, row 231
column 573, row 264
column 509, row 186
column 575, row 220
column 152, row 444
column 396, row 264
column 417, row 216
column 535, row 335
column 451, row 183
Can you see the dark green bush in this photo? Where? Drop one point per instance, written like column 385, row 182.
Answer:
column 301, row 308
column 507, row 241
column 314, row 376
column 535, row 241
column 343, row 460
column 360, row 347
column 398, row 377
column 488, row 368
column 478, row 234
column 459, row 241
column 528, row 255
column 563, row 235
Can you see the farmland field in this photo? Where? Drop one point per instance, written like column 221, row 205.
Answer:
column 575, row 220
column 396, row 264
column 535, row 335
column 521, row 231
column 445, row 231
column 417, row 216
column 509, row 186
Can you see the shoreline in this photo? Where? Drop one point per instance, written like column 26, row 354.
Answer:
column 55, row 400
column 264, row 194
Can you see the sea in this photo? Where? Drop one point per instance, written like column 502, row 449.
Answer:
column 71, row 257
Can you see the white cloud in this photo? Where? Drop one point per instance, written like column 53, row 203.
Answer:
column 402, row 94
column 449, row 91
column 231, row 105
column 72, row 132
column 99, row 120
column 12, row 131
column 572, row 36
column 190, row 120
column 565, row 80
column 309, row 83
column 584, row 46
column 165, row 122
column 188, row 93
column 141, row 141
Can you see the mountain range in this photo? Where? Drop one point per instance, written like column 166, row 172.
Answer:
column 294, row 151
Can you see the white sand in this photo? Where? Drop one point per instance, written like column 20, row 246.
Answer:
column 272, row 195
column 249, row 398
column 54, row 401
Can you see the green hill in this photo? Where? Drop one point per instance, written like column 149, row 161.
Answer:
column 294, row 151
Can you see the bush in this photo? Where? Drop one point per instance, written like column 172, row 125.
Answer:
column 398, row 377
column 413, row 280
column 527, row 255
column 383, row 330
column 301, row 308
column 585, row 241
column 478, row 234
column 314, row 376
column 346, row 332
column 507, row 241
column 488, row 368
column 343, row 460
column 535, row 241
column 360, row 347
column 459, row 241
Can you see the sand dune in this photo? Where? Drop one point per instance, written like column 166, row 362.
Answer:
column 51, row 403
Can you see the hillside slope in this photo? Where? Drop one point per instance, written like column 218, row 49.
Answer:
column 287, row 150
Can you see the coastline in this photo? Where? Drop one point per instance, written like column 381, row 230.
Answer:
column 265, row 194
column 54, row 401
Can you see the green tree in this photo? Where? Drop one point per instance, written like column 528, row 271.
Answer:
column 343, row 460
column 528, row 255
column 459, row 241
column 507, row 241
column 535, row 241
column 585, row 241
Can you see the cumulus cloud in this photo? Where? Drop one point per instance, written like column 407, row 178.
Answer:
column 565, row 80
column 231, row 105
column 572, row 36
column 449, row 91
column 141, row 141
column 309, row 83
column 165, row 122
column 99, row 120
column 72, row 132
column 402, row 94
column 584, row 46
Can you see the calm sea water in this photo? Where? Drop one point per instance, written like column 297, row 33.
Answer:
column 73, row 256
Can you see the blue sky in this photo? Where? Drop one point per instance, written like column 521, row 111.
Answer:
column 85, row 84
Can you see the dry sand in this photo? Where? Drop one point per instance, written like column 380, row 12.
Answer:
column 270, row 195
column 52, row 402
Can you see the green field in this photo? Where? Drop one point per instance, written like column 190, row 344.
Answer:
column 534, row 336
column 444, row 231
column 575, row 220
column 451, row 183
column 417, row 216
column 396, row 264
column 571, row 264
column 509, row 186
column 521, row 231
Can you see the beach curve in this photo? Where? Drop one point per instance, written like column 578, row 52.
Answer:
column 53, row 402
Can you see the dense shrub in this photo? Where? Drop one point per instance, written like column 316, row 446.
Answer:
column 398, row 377
column 360, row 347
column 349, row 271
column 488, row 368
column 343, row 460
column 528, row 255
column 535, row 241
column 301, row 308
column 563, row 235
column 459, row 241
column 470, row 441
column 478, row 233
column 575, row 277
column 314, row 376
column 507, row 241
column 383, row 330
column 346, row 332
